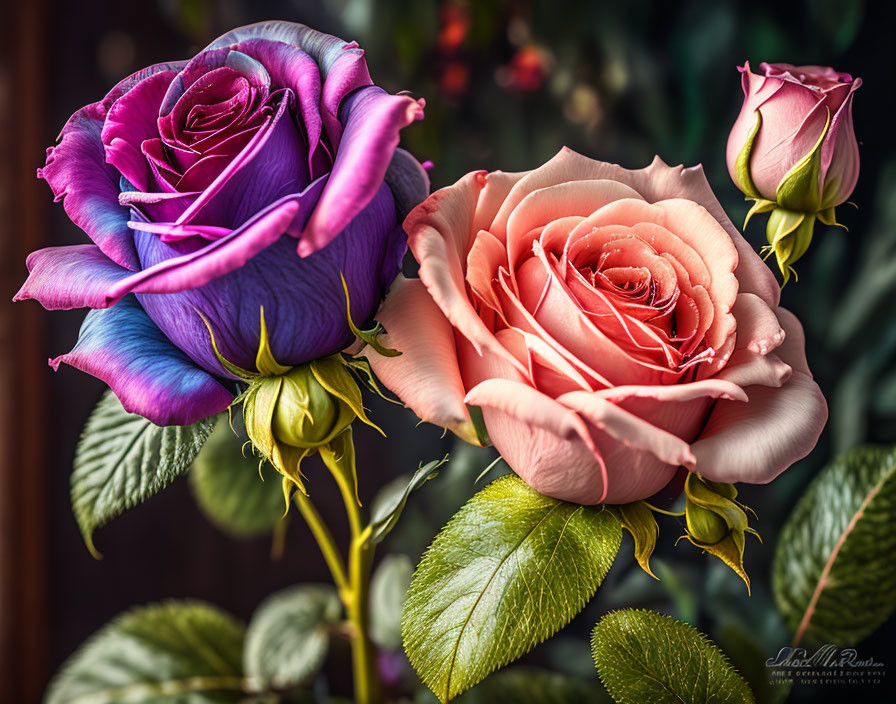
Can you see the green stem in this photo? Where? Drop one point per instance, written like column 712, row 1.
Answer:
column 327, row 545
column 363, row 661
column 339, row 457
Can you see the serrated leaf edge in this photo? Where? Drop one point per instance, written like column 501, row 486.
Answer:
column 823, row 578
column 700, row 634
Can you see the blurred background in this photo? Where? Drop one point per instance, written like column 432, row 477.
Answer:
column 506, row 84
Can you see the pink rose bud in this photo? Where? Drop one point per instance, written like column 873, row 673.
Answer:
column 793, row 151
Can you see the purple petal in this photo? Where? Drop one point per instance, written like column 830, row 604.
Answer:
column 373, row 119
column 408, row 182
column 304, row 304
column 272, row 165
column 292, row 68
column 62, row 278
column 168, row 270
column 150, row 376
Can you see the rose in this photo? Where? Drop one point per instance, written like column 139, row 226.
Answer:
column 612, row 325
column 793, row 151
column 790, row 114
column 197, row 182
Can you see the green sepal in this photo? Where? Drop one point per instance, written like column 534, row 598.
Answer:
column 362, row 369
column 789, row 234
column 333, row 375
column 829, row 218
column 259, row 405
column 244, row 374
column 637, row 519
column 760, row 205
column 479, row 426
column 800, row 189
column 368, row 336
column 716, row 523
column 339, row 456
column 264, row 359
column 743, row 179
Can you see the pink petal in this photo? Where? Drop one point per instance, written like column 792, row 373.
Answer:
column 628, row 429
column 547, row 444
column 758, row 329
column 426, row 375
column 655, row 182
column 746, row 368
column 439, row 235
column 755, row 441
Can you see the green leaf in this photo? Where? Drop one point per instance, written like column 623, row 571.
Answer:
column 176, row 652
column 122, row 459
column 388, row 591
column 643, row 656
column 390, row 502
column 507, row 571
column 288, row 636
column 231, row 490
column 834, row 573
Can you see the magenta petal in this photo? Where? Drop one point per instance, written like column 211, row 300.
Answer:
column 342, row 65
column 62, row 278
column 223, row 255
column 150, row 376
column 373, row 119
column 272, row 165
column 88, row 187
column 77, row 172
column 130, row 121
column 291, row 67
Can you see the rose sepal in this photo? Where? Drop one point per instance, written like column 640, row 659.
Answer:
column 293, row 412
column 789, row 234
column 799, row 189
column 637, row 518
column 742, row 178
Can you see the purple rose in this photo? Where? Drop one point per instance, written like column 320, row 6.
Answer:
column 250, row 176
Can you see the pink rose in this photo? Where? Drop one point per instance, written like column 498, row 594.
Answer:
column 803, row 110
column 612, row 325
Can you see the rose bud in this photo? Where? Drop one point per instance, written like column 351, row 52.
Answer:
column 793, row 151
column 716, row 522
column 293, row 412
column 307, row 414
column 250, row 176
column 610, row 325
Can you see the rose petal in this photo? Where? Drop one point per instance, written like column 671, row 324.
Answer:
column 655, row 182
column 426, row 375
column 77, row 276
column 438, row 235
column 372, row 120
column 122, row 346
column 628, row 429
column 746, row 368
column 758, row 329
column 544, row 442
column 297, row 294
column 754, row 442
column 130, row 121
